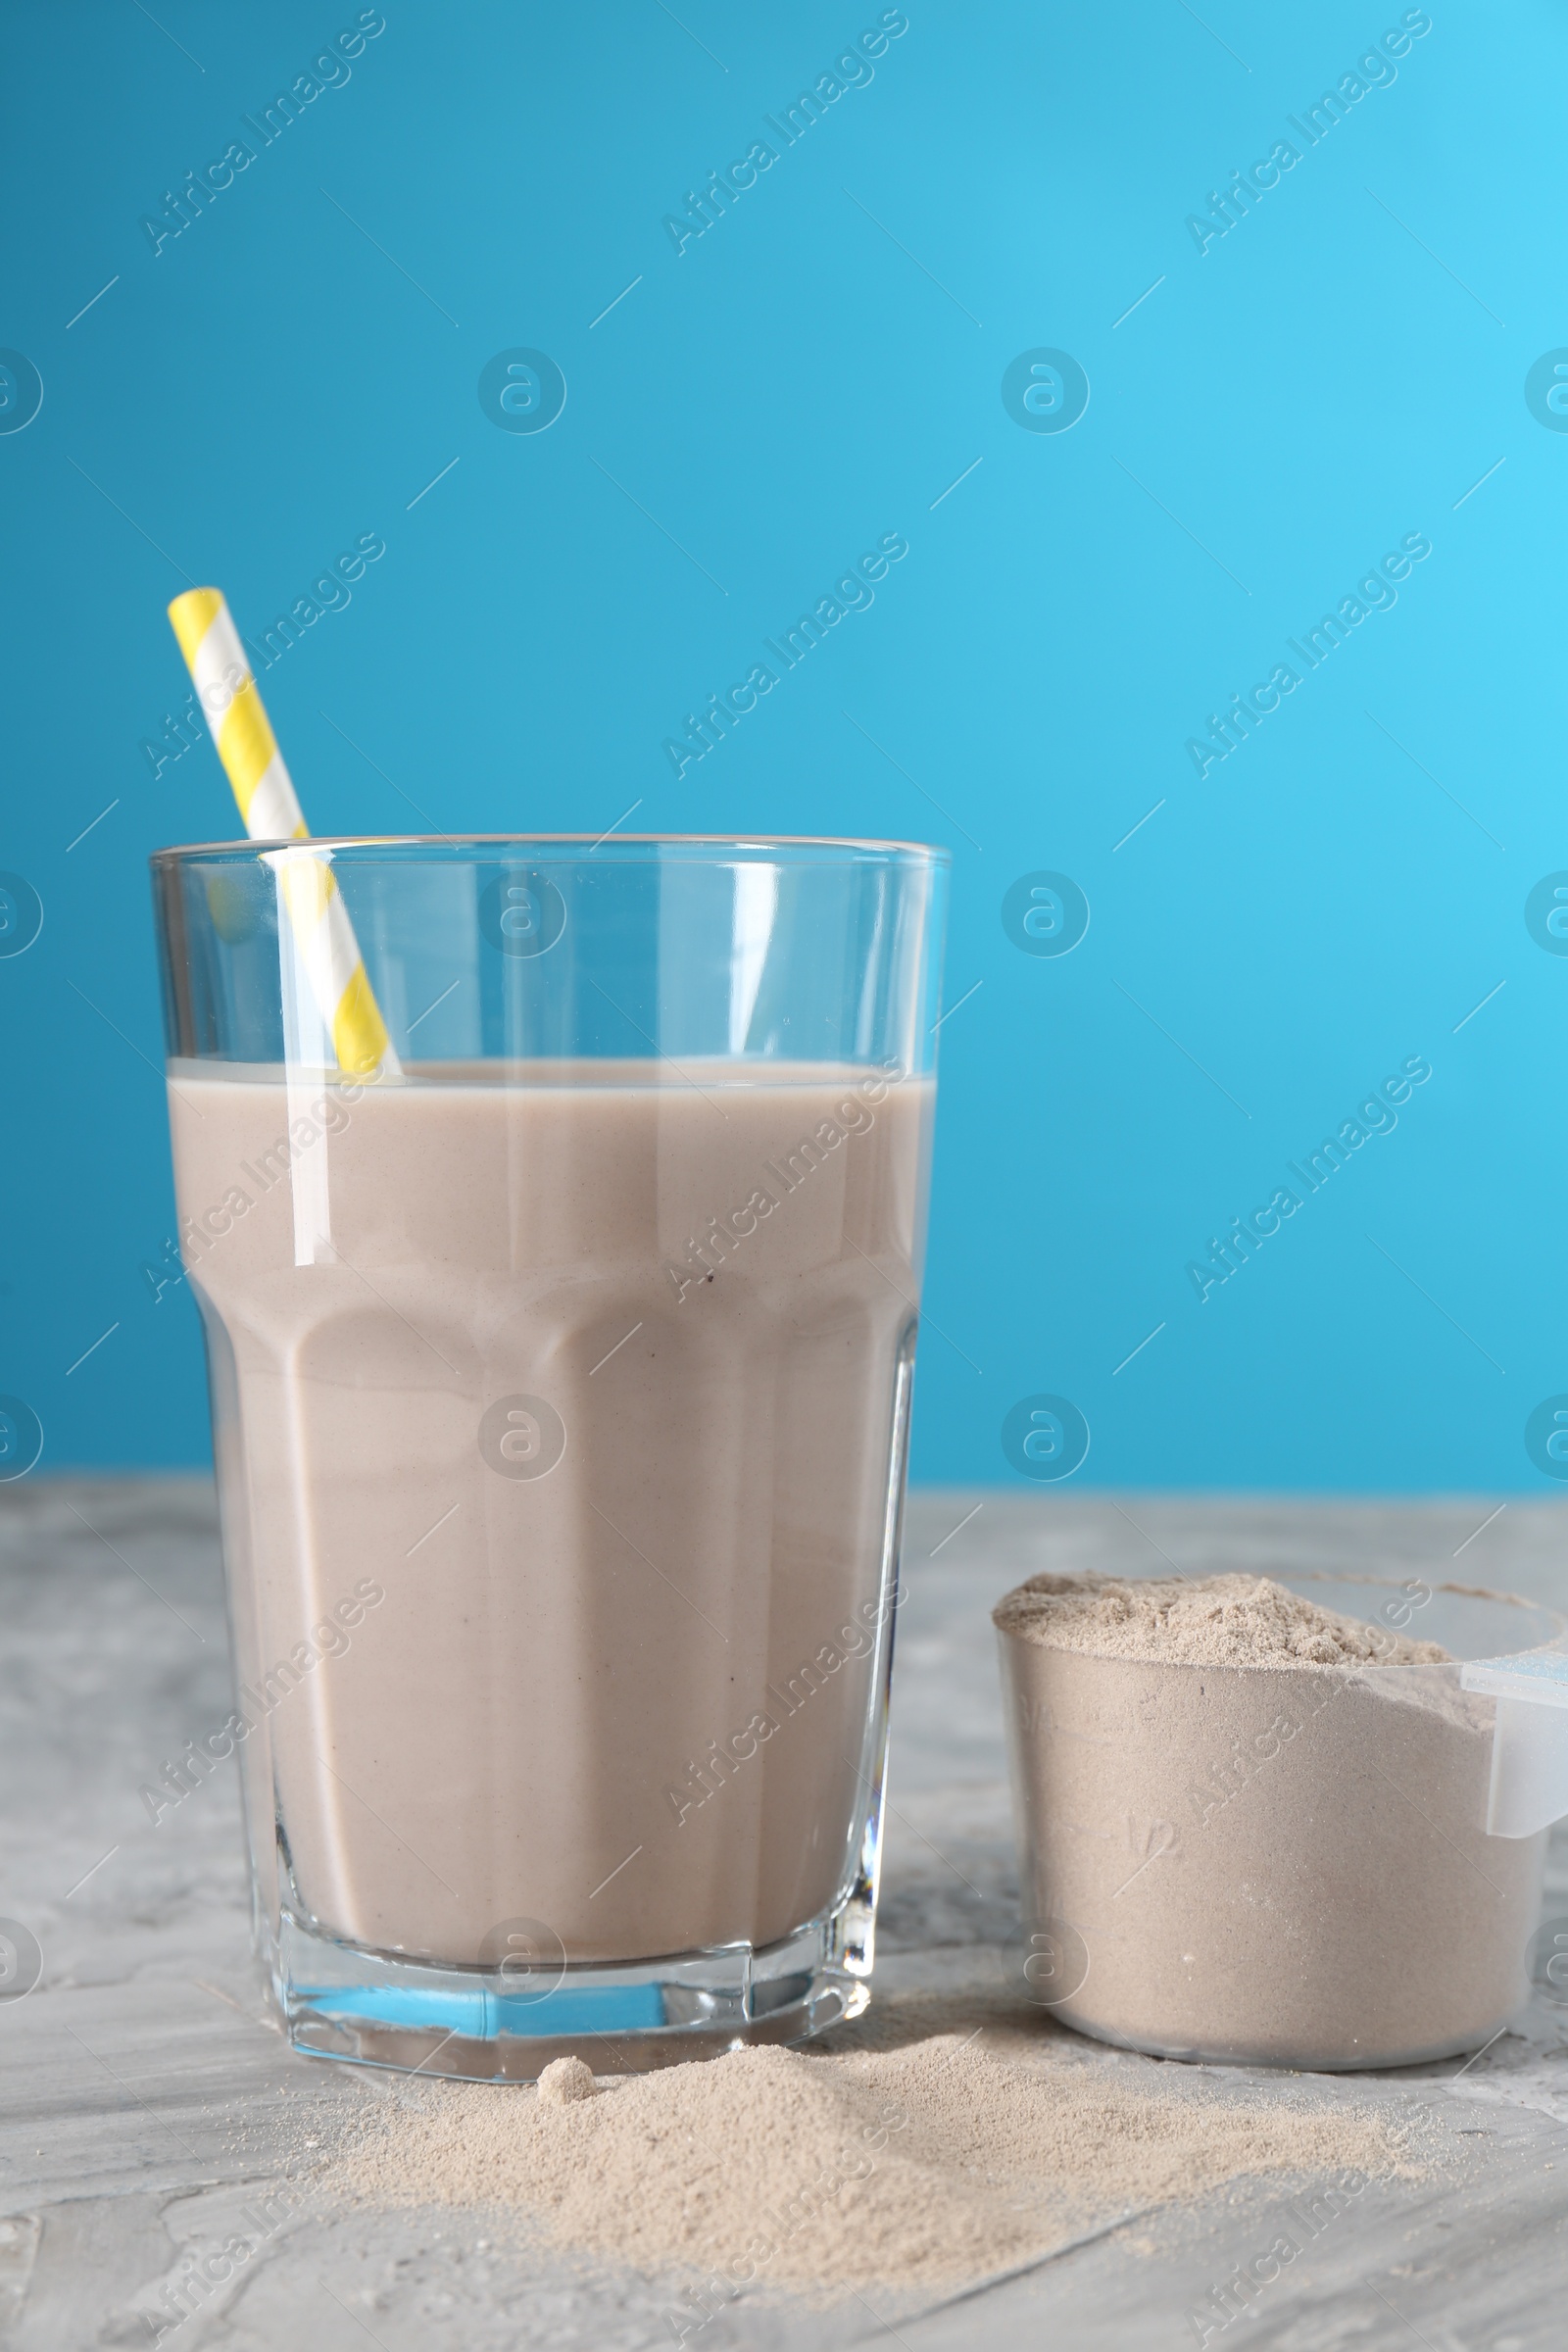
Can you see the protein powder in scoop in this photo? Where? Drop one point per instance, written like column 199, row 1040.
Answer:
column 1252, row 1829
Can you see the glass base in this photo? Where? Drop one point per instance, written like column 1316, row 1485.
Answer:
column 339, row 2000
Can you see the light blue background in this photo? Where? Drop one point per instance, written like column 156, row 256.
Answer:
column 1334, row 373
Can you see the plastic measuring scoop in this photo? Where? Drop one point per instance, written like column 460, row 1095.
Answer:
column 1530, row 1742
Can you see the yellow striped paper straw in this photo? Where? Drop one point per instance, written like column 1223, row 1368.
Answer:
column 270, row 812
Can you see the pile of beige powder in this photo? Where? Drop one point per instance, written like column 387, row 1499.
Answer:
column 926, row 2151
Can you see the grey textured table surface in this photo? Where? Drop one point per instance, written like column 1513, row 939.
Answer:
column 125, row 2075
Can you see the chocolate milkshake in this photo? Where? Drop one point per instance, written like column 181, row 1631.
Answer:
column 554, row 1405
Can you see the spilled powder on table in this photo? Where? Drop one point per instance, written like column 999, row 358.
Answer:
column 929, row 2161
column 1228, row 1619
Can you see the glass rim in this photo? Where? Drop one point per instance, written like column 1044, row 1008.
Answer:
column 845, row 849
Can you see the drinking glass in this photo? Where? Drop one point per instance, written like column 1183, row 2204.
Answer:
column 561, row 1376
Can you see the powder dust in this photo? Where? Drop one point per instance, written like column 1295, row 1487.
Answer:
column 921, row 2158
column 1200, row 1621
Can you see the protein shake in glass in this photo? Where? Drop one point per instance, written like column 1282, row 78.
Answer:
column 560, row 1363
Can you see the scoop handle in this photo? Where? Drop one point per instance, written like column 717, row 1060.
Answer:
column 1529, row 1789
